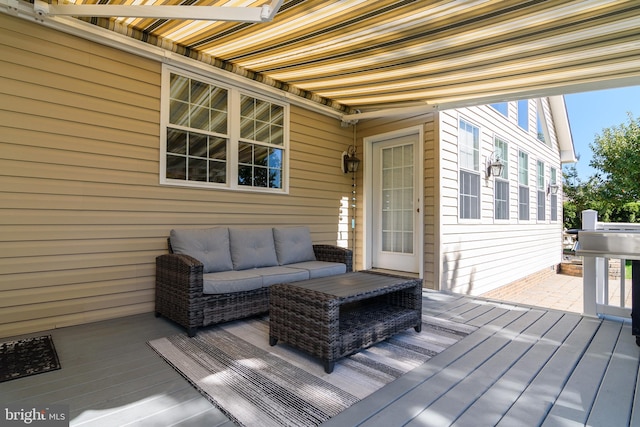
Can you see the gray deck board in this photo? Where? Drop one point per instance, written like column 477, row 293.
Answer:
column 614, row 401
column 496, row 401
column 111, row 377
column 462, row 396
column 579, row 393
column 383, row 402
column 536, row 401
column 522, row 366
column 474, row 384
column 635, row 409
column 414, row 403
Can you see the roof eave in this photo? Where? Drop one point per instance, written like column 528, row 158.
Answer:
column 563, row 129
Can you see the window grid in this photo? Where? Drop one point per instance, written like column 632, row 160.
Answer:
column 523, row 186
column 469, row 149
column 501, row 199
column 554, row 197
column 261, row 127
column 501, row 183
column 199, row 141
column 541, row 192
column 397, row 199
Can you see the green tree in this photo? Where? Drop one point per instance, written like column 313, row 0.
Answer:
column 614, row 191
column 578, row 197
column 616, row 157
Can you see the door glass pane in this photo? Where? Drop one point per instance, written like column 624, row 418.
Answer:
column 397, row 199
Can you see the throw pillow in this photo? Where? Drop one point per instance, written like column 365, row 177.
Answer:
column 252, row 248
column 209, row 246
column 293, row 244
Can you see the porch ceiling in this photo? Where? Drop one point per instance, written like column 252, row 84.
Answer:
column 371, row 55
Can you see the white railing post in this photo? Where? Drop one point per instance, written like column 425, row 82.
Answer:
column 589, row 275
column 589, row 220
column 589, row 269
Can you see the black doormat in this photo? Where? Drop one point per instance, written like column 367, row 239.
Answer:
column 26, row 357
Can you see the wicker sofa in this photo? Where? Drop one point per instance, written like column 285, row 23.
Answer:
column 220, row 274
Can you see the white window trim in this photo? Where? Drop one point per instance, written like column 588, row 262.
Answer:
column 507, row 180
column 542, row 189
column 479, row 172
column 234, row 133
column 551, row 196
column 528, row 185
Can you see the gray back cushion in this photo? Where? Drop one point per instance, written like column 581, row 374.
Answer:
column 293, row 244
column 209, row 246
column 252, row 248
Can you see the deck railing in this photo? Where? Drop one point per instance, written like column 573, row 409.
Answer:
column 604, row 294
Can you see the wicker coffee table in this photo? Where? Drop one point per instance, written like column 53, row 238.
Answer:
column 332, row 317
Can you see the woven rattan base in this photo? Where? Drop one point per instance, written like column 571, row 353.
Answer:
column 333, row 317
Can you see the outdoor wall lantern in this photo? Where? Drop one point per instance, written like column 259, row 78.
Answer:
column 494, row 165
column 552, row 189
column 350, row 162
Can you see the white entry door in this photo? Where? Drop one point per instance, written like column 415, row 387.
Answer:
column 396, row 206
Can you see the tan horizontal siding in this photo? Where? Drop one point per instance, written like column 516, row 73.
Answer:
column 77, row 277
column 82, row 213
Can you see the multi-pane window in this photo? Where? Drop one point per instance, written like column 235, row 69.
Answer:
column 523, row 186
column 501, row 183
column 502, row 108
column 523, row 114
column 261, row 141
column 397, row 199
column 469, row 157
column 197, row 134
column 541, row 192
column 219, row 137
column 554, row 196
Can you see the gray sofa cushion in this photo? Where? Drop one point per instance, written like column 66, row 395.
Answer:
column 252, row 248
column 293, row 244
column 320, row 268
column 231, row 281
column 209, row 246
column 273, row 275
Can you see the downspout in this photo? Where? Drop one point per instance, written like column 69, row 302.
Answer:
column 353, row 203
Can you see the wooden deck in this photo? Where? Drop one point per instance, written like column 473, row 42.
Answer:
column 523, row 366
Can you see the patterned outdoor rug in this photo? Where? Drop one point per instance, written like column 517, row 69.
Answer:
column 26, row 357
column 255, row 384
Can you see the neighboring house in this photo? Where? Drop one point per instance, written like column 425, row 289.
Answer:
column 104, row 151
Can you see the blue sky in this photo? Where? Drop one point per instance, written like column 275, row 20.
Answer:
column 590, row 112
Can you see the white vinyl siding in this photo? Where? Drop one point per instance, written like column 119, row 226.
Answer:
column 469, row 137
column 472, row 253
